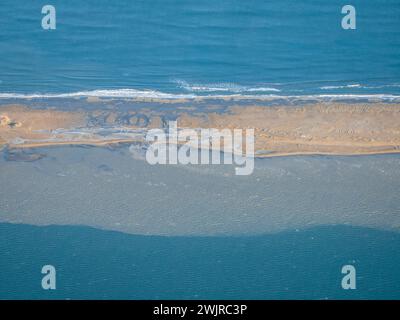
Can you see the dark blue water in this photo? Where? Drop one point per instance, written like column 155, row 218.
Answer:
column 284, row 47
column 98, row 264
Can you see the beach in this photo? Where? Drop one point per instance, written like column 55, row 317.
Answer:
column 319, row 128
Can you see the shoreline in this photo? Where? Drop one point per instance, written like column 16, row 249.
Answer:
column 38, row 145
column 314, row 129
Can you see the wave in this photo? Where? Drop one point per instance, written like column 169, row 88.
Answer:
column 224, row 87
column 117, row 93
column 153, row 94
column 355, row 85
column 360, row 86
column 288, row 88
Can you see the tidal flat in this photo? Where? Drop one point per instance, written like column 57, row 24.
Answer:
column 109, row 188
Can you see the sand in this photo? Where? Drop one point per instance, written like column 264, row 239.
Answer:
column 320, row 128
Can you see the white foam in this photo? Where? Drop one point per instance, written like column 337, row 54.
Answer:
column 224, row 87
column 152, row 94
column 263, row 89
column 354, row 85
column 360, row 86
column 118, row 93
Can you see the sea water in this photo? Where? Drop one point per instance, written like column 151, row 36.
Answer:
column 209, row 47
column 115, row 228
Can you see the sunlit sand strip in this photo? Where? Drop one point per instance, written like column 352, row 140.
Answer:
column 327, row 129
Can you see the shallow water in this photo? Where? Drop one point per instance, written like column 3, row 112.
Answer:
column 111, row 189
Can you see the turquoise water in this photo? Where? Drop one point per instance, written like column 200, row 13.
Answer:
column 207, row 47
column 96, row 264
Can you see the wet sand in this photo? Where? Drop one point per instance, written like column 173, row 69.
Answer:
column 319, row 128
